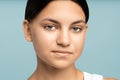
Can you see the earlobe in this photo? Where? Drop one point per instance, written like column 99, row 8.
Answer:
column 86, row 28
column 27, row 32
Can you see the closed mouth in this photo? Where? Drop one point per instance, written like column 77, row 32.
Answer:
column 62, row 52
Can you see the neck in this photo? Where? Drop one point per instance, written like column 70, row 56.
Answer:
column 46, row 72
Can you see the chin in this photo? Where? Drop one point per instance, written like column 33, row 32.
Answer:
column 62, row 65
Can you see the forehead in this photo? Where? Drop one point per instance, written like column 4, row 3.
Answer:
column 64, row 10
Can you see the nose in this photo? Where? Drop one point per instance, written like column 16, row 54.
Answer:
column 63, row 39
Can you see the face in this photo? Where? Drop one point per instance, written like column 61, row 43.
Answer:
column 58, row 33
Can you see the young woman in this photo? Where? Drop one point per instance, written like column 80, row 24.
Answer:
column 57, row 29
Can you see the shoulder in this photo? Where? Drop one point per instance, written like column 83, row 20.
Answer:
column 109, row 79
column 88, row 76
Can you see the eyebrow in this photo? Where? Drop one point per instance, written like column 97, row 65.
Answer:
column 57, row 22
column 51, row 20
column 79, row 21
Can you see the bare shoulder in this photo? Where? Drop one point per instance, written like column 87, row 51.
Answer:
column 110, row 79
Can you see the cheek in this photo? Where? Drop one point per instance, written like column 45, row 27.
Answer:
column 42, row 42
column 78, row 44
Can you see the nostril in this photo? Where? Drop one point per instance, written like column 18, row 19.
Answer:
column 64, row 42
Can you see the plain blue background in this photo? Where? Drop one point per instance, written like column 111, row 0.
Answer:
column 101, row 54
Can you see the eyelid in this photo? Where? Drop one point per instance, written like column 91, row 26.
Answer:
column 78, row 27
column 49, row 26
column 50, row 21
column 46, row 24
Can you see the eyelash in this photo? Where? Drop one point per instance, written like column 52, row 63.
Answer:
column 52, row 27
column 76, row 29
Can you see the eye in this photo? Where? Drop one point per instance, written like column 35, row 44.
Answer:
column 76, row 29
column 49, row 27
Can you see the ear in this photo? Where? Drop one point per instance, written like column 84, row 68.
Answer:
column 87, row 27
column 27, row 31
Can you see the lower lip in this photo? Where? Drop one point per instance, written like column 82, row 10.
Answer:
column 62, row 53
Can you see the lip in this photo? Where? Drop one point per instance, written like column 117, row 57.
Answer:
column 62, row 52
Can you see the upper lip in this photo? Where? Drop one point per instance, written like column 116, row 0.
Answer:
column 62, row 51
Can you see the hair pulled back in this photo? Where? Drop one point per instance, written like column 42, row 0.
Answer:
column 34, row 7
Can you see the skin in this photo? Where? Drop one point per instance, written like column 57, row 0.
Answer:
column 58, row 40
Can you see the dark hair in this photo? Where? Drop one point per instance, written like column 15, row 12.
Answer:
column 34, row 7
